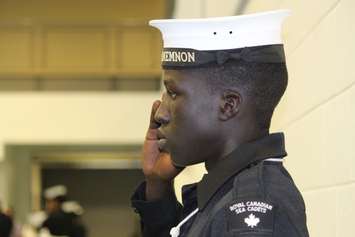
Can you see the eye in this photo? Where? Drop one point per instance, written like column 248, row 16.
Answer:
column 171, row 94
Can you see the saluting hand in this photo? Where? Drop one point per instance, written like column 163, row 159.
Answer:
column 158, row 168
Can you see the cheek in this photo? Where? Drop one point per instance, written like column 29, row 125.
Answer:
column 195, row 119
column 202, row 113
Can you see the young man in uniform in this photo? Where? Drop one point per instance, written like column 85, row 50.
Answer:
column 223, row 78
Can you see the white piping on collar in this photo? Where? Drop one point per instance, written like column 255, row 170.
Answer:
column 175, row 231
column 274, row 159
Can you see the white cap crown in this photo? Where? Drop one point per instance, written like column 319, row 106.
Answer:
column 222, row 33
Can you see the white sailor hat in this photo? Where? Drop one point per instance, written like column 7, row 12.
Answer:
column 55, row 192
column 196, row 42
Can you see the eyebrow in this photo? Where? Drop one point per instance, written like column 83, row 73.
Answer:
column 169, row 82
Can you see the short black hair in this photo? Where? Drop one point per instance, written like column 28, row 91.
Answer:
column 265, row 83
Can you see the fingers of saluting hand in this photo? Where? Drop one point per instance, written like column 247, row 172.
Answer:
column 153, row 124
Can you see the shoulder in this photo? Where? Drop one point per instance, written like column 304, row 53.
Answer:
column 271, row 183
column 280, row 187
column 291, row 211
column 266, row 200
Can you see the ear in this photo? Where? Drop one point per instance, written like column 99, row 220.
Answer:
column 230, row 105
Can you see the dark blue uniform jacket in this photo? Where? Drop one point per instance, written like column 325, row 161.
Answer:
column 246, row 195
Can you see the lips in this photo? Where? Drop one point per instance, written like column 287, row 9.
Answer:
column 162, row 141
column 162, row 144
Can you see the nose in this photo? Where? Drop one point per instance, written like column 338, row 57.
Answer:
column 162, row 115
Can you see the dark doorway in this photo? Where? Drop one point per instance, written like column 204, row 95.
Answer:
column 104, row 195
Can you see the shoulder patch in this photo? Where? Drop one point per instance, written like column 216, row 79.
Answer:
column 250, row 215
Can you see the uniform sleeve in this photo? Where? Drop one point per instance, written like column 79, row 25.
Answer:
column 290, row 218
column 157, row 217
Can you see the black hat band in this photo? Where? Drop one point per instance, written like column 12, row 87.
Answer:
column 183, row 57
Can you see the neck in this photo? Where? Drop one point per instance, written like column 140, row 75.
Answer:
column 234, row 143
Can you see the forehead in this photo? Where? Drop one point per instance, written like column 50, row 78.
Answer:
column 188, row 79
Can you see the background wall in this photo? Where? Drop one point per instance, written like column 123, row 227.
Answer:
column 52, row 118
column 79, row 11
column 2, row 183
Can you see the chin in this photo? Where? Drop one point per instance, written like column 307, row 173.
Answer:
column 183, row 161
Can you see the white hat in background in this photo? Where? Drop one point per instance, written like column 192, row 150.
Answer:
column 72, row 207
column 55, row 192
column 195, row 42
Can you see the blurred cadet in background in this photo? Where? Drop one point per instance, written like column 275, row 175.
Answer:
column 57, row 222
column 6, row 224
column 63, row 218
